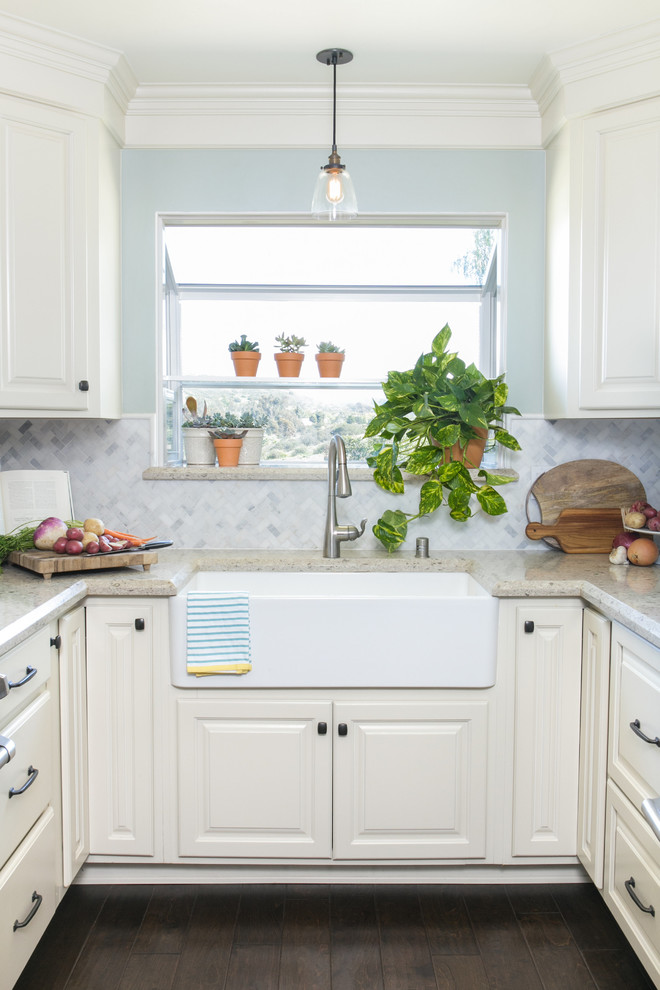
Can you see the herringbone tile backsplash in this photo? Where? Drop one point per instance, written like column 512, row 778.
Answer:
column 106, row 459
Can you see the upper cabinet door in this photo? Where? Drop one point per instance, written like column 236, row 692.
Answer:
column 43, row 328
column 620, row 297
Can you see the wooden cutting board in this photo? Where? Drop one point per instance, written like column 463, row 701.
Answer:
column 580, row 530
column 46, row 563
column 598, row 483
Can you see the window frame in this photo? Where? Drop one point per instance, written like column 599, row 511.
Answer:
column 492, row 345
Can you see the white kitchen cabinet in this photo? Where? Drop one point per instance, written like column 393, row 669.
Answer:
column 255, row 778
column 124, row 639
column 73, row 716
column 632, row 848
column 59, row 277
column 410, row 778
column 30, row 844
column 603, row 265
column 548, row 648
column 322, row 777
column 593, row 743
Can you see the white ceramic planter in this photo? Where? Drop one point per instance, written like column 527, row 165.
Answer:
column 251, row 449
column 198, row 445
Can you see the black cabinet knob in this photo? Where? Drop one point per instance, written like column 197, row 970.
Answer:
column 56, row 641
column 342, row 729
column 322, row 728
column 529, row 626
column 139, row 624
column 83, row 386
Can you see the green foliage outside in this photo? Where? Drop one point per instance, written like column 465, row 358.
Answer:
column 474, row 264
column 297, row 426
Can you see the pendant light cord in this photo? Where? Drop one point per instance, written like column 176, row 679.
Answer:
column 334, row 103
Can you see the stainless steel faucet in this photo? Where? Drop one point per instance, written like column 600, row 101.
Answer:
column 339, row 486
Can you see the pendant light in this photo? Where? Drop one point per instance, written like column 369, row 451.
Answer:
column 334, row 195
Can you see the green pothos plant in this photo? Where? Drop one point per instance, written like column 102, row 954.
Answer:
column 429, row 415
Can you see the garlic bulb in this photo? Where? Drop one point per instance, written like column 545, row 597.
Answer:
column 619, row 556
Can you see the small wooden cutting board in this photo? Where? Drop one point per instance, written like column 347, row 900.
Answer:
column 46, row 563
column 580, row 530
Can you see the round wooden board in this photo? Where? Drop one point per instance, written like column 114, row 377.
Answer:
column 589, row 483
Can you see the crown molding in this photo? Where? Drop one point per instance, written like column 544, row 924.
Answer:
column 600, row 74
column 382, row 115
column 50, row 66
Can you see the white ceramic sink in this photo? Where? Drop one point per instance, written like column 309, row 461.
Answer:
column 337, row 629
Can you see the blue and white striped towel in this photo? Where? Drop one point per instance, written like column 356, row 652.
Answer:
column 218, row 633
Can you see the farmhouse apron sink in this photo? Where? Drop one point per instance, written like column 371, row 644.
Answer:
column 337, row 629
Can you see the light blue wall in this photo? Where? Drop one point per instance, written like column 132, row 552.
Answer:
column 391, row 181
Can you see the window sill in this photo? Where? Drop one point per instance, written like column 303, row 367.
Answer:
column 266, row 472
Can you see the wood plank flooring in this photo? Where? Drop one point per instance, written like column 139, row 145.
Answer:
column 333, row 937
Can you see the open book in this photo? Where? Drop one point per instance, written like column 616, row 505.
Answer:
column 30, row 496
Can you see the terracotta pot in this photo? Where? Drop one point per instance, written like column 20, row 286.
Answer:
column 330, row 364
column 245, row 363
column 472, row 454
column 228, row 451
column 288, row 365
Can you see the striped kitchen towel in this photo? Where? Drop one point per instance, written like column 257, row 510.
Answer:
column 218, row 633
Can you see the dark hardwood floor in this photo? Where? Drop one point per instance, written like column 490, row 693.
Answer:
column 327, row 937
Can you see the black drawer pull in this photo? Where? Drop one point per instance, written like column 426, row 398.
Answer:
column 635, row 726
column 322, row 728
column 630, row 887
column 342, row 729
column 529, row 626
column 56, row 641
column 33, row 773
column 37, row 899
column 30, row 672
column 139, row 624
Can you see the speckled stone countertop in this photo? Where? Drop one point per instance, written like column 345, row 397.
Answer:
column 627, row 594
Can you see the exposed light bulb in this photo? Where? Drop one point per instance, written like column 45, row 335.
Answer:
column 335, row 190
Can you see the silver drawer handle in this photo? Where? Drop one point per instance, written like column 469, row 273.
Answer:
column 33, row 773
column 7, row 750
column 635, row 726
column 36, row 899
column 651, row 811
column 630, row 887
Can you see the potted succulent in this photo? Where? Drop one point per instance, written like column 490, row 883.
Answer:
column 227, row 443
column 426, row 424
column 252, row 429
column 197, row 445
column 290, row 357
column 329, row 359
column 246, row 356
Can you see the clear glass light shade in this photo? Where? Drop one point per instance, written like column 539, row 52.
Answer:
column 334, row 196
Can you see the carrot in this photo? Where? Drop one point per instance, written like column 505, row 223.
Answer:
column 135, row 540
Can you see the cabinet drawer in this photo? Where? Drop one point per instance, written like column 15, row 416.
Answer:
column 635, row 711
column 632, row 878
column 30, row 871
column 17, row 665
column 31, row 766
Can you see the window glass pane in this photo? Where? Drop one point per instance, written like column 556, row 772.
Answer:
column 378, row 336
column 319, row 255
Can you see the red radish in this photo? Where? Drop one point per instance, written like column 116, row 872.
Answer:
column 92, row 547
column 74, row 547
column 74, row 533
column 654, row 524
column 59, row 546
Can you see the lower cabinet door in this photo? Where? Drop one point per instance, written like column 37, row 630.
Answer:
column 632, row 878
column 410, row 780
column 28, row 897
column 254, row 778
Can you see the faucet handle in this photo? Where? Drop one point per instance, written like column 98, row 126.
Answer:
column 363, row 523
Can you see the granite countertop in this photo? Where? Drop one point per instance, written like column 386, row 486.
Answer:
column 627, row 594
